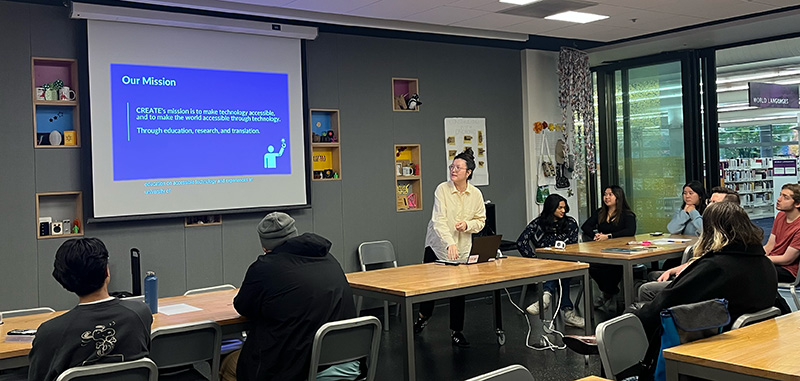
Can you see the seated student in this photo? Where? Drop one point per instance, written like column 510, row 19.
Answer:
column 100, row 329
column 614, row 219
column 552, row 225
column 730, row 265
column 689, row 220
column 660, row 279
column 783, row 246
column 290, row 291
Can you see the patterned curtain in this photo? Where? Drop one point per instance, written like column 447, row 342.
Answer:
column 575, row 99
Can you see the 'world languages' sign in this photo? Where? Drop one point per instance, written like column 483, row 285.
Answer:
column 770, row 95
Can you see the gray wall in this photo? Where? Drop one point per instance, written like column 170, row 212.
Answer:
column 345, row 72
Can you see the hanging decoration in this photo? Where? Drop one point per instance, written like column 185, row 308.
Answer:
column 538, row 127
column 575, row 99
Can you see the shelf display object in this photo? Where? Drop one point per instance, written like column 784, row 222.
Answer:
column 408, row 177
column 55, row 105
column 59, row 214
column 325, row 139
column 753, row 179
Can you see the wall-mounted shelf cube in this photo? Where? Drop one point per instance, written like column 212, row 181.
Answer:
column 408, row 177
column 325, row 140
column 56, row 120
column 64, row 209
column 402, row 90
column 206, row 220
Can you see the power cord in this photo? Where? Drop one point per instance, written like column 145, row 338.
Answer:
column 548, row 328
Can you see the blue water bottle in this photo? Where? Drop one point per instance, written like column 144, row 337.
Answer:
column 151, row 291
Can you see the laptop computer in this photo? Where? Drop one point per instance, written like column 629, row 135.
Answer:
column 484, row 249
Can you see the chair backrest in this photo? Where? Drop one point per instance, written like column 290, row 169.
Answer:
column 375, row 253
column 347, row 340
column 510, row 373
column 755, row 317
column 210, row 289
column 185, row 344
column 687, row 253
column 24, row 312
column 622, row 343
column 142, row 369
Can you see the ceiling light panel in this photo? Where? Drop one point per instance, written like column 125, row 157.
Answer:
column 576, row 17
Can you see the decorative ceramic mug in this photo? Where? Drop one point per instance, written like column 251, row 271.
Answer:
column 65, row 94
column 51, row 95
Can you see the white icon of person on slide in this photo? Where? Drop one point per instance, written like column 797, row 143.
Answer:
column 269, row 157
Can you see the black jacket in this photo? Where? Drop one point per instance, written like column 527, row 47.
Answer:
column 742, row 275
column 288, row 294
column 625, row 227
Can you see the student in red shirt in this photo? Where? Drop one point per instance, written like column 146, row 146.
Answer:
column 783, row 247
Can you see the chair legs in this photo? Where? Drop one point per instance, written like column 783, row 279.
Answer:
column 386, row 315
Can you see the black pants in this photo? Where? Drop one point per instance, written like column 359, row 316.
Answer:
column 784, row 276
column 606, row 276
column 457, row 303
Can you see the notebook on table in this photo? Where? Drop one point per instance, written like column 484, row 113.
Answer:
column 484, row 249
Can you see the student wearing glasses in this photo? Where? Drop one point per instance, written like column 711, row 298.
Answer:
column 458, row 212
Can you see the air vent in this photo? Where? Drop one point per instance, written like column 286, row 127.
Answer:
column 546, row 8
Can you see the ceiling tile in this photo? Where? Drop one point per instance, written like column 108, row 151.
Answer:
column 778, row 3
column 712, row 9
column 329, row 6
column 594, row 32
column 649, row 21
column 472, row 3
column 396, row 9
column 445, row 15
column 638, row 4
column 537, row 26
column 495, row 21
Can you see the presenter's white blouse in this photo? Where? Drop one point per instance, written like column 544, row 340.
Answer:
column 449, row 207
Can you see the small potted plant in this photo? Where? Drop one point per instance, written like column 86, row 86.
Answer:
column 51, row 89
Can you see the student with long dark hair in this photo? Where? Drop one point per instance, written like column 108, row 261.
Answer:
column 612, row 220
column 458, row 212
column 552, row 225
column 689, row 220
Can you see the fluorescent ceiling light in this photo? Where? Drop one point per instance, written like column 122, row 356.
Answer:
column 519, row 2
column 577, row 17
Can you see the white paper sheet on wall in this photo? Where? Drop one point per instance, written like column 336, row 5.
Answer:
column 461, row 133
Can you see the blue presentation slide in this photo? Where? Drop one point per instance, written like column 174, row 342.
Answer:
column 172, row 122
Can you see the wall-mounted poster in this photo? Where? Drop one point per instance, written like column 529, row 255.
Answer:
column 460, row 133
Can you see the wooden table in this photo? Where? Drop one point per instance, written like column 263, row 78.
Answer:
column 766, row 350
column 592, row 252
column 407, row 285
column 216, row 306
column 593, row 378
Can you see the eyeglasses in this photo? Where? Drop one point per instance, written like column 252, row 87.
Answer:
column 454, row 168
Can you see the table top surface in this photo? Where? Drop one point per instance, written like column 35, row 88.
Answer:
column 215, row 306
column 593, row 378
column 431, row 277
column 766, row 349
column 595, row 248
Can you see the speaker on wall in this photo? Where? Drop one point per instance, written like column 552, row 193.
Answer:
column 56, row 228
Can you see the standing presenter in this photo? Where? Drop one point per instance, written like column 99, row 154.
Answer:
column 458, row 212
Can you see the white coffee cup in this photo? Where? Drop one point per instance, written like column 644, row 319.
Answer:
column 65, row 94
column 407, row 171
column 560, row 245
column 39, row 92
